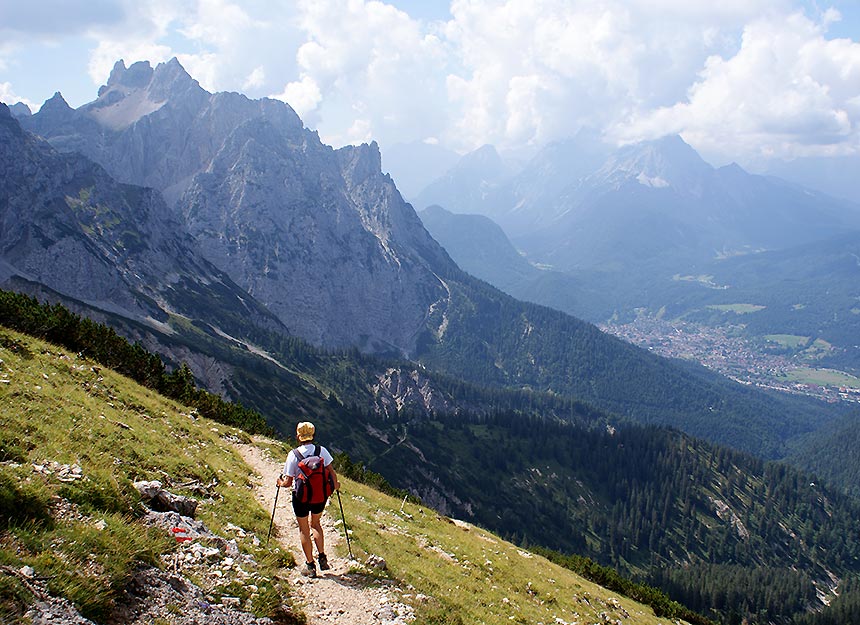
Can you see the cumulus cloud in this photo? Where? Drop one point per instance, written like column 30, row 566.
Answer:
column 257, row 78
column 9, row 97
column 750, row 77
column 368, row 69
column 138, row 37
column 224, row 44
column 303, row 95
column 788, row 92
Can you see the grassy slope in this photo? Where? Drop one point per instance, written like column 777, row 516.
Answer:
column 474, row 576
column 57, row 407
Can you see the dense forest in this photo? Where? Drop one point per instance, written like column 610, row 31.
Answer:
column 493, row 340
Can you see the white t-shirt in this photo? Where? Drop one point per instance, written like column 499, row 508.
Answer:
column 291, row 466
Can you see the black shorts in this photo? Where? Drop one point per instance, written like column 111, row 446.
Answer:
column 304, row 509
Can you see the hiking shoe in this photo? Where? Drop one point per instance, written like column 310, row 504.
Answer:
column 323, row 560
column 309, row 570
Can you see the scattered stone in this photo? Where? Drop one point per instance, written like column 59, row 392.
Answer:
column 148, row 490
column 161, row 500
column 235, row 528
column 376, row 562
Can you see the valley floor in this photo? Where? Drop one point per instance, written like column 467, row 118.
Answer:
column 723, row 350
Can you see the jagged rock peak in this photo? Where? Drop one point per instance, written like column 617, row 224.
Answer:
column 486, row 154
column 19, row 109
column 4, row 111
column 137, row 76
column 360, row 162
column 171, row 76
column 56, row 103
column 166, row 79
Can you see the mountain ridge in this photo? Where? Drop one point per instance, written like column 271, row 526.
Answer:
column 282, row 214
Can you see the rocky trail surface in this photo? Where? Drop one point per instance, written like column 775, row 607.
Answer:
column 341, row 595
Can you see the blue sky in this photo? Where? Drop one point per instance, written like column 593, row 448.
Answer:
column 741, row 80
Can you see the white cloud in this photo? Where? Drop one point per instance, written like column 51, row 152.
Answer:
column 788, row 91
column 9, row 97
column 57, row 19
column 105, row 56
column 533, row 70
column 225, row 45
column 368, row 69
column 741, row 76
column 137, row 38
column 303, row 95
column 257, row 78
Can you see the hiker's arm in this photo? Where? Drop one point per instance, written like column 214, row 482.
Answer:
column 334, row 477
column 285, row 481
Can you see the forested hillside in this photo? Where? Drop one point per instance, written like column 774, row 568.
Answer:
column 691, row 517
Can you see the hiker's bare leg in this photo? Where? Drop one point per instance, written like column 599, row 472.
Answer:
column 305, row 538
column 317, row 530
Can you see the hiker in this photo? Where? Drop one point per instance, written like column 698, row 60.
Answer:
column 308, row 470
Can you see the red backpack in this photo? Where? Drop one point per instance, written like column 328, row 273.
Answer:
column 314, row 483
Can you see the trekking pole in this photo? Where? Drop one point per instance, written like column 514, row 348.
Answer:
column 345, row 529
column 272, row 522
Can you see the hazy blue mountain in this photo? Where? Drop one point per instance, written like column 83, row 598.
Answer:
column 519, row 199
column 479, row 246
column 470, row 186
column 527, row 201
column 415, row 165
column 835, row 175
column 659, row 205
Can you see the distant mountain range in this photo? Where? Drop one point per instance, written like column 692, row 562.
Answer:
column 322, row 240
column 651, row 226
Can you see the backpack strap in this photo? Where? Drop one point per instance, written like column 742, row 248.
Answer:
column 299, row 456
column 317, row 451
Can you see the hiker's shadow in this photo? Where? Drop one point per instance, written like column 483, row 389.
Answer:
column 357, row 580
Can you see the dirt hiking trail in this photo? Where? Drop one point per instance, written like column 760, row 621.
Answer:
column 337, row 595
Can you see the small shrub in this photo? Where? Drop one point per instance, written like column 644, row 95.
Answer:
column 12, row 449
column 100, row 492
column 14, row 599
column 22, row 504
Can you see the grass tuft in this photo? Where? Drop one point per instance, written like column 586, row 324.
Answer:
column 22, row 503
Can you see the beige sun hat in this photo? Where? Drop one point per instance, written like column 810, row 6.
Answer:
column 305, row 431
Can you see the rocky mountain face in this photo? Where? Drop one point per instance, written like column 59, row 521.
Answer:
column 267, row 203
column 69, row 226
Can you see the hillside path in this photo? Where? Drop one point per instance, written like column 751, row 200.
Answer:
column 337, row 595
